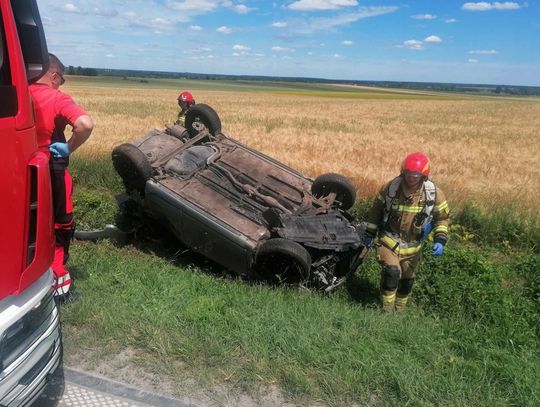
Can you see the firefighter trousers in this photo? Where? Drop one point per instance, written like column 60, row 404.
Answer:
column 397, row 275
column 62, row 189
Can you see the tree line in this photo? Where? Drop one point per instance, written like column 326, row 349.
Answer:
column 79, row 70
column 430, row 86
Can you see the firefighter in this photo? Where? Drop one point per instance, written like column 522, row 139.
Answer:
column 185, row 101
column 54, row 110
column 405, row 211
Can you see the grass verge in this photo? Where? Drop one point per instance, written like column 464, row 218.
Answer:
column 470, row 338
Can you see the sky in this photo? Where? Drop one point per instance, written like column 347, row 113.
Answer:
column 451, row 41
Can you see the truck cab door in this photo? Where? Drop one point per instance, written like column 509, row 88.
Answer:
column 26, row 232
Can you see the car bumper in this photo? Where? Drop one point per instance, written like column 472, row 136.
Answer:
column 25, row 373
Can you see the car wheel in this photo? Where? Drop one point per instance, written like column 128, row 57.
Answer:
column 340, row 185
column 201, row 116
column 132, row 166
column 283, row 261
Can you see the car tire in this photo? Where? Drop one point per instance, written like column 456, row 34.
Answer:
column 342, row 186
column 132, row 166
column 201, row 113
column 283, row 261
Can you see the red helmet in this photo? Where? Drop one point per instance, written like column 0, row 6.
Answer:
column 186, row 97
column 416, row 163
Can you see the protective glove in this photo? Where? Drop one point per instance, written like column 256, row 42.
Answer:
column 438, row 249
column 59, row 150
column 367, row 241
column 426, row 230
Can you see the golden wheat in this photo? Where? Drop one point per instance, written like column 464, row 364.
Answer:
column 482, row 149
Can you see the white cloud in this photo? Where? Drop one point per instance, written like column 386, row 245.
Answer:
column 487, row 6
column 472, row 61
column 424, row 17
column 279, row 24
column 109, row 56
column 282, row 49
column 105, row 12
column 71, row 8
column 130, row 15
column 241, row 48
column 242, row 9
column 433, row 38
column 160, row 22
column 224, row 30
column 484, row 52
column 347, row 42
column 310, row 5
column 200, row 6
column 198, row 50
column 195, row 28
column 338, row 56
column 450, row 20
column 326, row 24
column 413, row 44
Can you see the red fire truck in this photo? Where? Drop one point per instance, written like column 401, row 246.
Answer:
column 30, row 340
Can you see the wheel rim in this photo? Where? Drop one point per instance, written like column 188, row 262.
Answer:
column 283, row 270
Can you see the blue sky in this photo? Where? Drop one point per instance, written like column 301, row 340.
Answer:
column 438, row 40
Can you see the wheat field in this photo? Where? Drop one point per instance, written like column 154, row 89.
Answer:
column 481, row 149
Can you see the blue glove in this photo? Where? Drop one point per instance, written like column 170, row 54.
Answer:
column 426, row 230
column 367, row 241
column 438, row 249
column 59, row 150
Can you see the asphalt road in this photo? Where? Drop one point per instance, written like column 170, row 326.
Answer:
column 74, row 388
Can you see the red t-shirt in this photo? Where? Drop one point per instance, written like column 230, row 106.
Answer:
column 53, row 111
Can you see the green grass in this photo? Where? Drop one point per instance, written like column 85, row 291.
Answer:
column 470, row 337
column 337, row 349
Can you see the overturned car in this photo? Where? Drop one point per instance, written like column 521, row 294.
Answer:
column 240, row 208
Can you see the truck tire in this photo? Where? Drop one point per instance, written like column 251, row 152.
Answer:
column 132, row 166
column 283, row 261
column 342, row 186
column 202, row 114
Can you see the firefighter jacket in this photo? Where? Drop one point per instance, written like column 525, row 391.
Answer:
column 181, row 118
column 399, row 216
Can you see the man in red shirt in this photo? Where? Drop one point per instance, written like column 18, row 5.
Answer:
column 54, row 110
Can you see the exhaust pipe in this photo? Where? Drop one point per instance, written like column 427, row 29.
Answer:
column 109, row 232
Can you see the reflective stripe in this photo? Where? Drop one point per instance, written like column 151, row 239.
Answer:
column 62, row 286
column 405, row 208
column 371, row 226
column 442, row 206
column 402, row 300
column 388, row 299
column 400, row 248
column 441, row 229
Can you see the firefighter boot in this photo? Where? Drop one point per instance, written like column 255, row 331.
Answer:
column 61, row 275
column 403, row 293
column 401, row 302
column 388, row 299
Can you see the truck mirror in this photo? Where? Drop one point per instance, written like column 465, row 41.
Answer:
column 32, row 38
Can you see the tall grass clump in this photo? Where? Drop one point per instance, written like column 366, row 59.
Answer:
column 502, row 227
column 499, row 298
column 95, row 172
